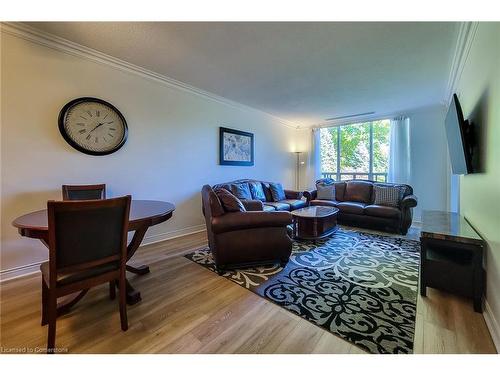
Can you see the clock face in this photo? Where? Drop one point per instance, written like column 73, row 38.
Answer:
column 93, row 126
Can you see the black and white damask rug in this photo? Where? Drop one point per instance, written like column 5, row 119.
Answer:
column 359, row 286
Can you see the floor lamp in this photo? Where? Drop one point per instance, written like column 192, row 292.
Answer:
column 297, row 169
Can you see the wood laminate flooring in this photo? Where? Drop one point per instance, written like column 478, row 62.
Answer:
column 186, row 308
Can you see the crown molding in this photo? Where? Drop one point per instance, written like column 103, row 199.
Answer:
column 465, row 38
column 32, row 34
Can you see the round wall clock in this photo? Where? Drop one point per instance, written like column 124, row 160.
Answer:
column 93, row 126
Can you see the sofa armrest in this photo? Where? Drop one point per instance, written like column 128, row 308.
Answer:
column 252, row 219
column 252, row 205
column 293, row 194
column 409, row 201
column 310, row 195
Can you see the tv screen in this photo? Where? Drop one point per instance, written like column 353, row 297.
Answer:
column 456, row 128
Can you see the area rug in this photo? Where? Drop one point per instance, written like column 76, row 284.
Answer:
column 359, row 286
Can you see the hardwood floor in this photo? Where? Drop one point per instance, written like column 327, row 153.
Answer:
column 188, row 309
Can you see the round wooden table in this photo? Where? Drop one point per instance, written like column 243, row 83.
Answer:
column 143, row 214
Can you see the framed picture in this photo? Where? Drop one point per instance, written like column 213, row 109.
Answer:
column 235, row 147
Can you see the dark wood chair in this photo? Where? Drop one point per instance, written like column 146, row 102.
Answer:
column 83, row 192
column 87, row 247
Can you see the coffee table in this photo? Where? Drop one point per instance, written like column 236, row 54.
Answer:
column 314, row 222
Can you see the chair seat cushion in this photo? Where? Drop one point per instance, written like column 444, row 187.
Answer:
column 323, row 202
column 355, row 208
column 268, row 208
column 382, row 211
column 71, row 277
column 294, row 204
column 279, row 206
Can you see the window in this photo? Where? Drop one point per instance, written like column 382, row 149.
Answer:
column 356, row 151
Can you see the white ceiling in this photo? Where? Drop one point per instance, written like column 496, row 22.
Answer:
column 301, row 72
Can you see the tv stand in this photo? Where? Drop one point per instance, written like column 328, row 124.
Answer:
column 451, row 256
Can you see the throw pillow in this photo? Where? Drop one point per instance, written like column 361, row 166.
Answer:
column 229, row 202
column 325, row 191
column 387, row 195
column 267, row 191
column 257, row 191
column 277, row 191
column 242, row 191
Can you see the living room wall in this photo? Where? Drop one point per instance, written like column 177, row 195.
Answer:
column 479, row 94
column 428, row 158
column 172, row 149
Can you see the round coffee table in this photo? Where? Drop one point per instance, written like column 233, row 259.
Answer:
column 143, row 214
column 314, row 222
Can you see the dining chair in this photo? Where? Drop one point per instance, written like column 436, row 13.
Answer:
column 87, row 247
column 83, row 192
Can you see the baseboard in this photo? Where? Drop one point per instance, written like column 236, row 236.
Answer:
column 21, row 271
column 492, row 325
column 173, row 234
column 28, row 269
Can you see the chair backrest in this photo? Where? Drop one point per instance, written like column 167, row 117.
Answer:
column 83, row 192
column 85, row 234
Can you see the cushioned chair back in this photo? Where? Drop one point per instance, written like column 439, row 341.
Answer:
column 87, row 233
column 83, row 192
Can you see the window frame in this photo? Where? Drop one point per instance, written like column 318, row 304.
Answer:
column 338, row 174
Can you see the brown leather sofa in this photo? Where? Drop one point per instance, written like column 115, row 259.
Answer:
column 244, row 239
column 242, row 189
column 355, row 201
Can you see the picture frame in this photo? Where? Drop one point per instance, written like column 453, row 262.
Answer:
column 236, row 147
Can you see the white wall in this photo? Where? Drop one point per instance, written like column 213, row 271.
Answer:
column 171, row 152
column 429, row 159
column 479, row 92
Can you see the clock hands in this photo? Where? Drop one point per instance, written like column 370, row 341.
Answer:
column 101, row 124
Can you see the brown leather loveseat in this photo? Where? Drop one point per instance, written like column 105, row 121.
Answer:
column 355, row 201
column 242, row 239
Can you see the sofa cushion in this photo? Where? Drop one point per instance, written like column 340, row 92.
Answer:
column 382, row 211
column 340, row 191
column 358, row 191
column 295, row 204
column 268, row 208
column 229, row 202
column 356, row 208
column 387, row 195
column 325, row 191
column 277, row 191
column 267, row 191
column 241, row 190
column 321, row 202
column 280, row 206
column 257, row 190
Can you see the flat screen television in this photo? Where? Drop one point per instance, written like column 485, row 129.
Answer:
column 458, row 133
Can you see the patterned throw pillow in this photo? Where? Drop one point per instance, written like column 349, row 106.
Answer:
column 387, row 195
column 257, row 191
column 229, row 202
column 277, row 191
column 326, row 191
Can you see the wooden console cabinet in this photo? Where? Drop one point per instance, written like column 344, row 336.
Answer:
column 451, row 256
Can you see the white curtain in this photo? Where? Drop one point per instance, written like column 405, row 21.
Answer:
column 399, row 151
column 314, row 159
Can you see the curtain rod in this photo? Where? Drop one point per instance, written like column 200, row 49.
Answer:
column 332, row 124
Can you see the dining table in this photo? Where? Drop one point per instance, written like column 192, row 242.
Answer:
column 143, row 214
